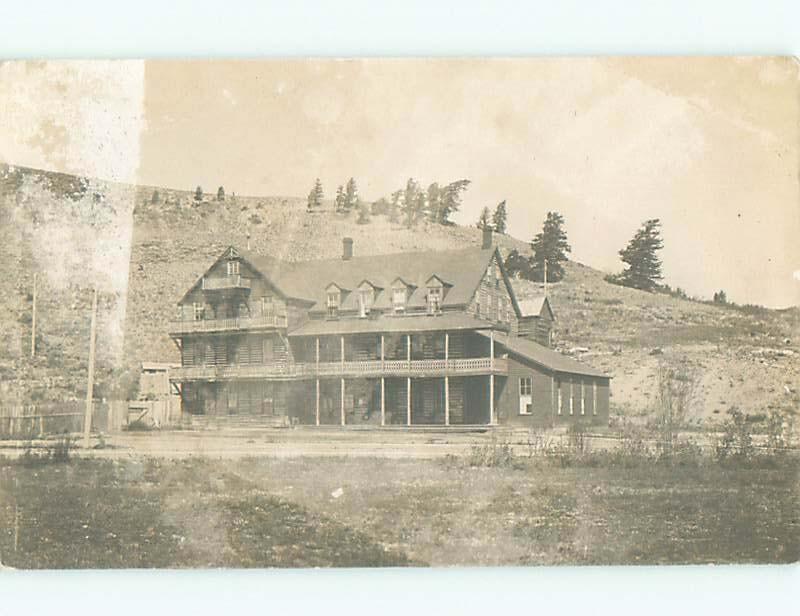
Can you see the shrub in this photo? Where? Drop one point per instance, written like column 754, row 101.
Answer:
column 492, row 454
column 737, row 440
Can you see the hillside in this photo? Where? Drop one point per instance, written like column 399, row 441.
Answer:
column 745, row 358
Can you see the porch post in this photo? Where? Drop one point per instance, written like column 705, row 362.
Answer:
column 446, row 379
column 383, row 401
column 491, row 377
column 408, row 401
column 342, row 400
column 316, row 414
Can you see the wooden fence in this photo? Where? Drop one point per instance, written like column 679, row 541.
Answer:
column 38, row 420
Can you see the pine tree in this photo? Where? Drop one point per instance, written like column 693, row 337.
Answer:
column 338, row 203
column 220, row 194
column 640, row 255
column 483, row 219
column 410, row 202
column 519, row 265
column 550, row 245
column 500, row 217
column 198, row 194
column 394, row 207
column 315, row 196
column 434, row 202
column 155, row 198
column 350, row 194
column 451, row 200
column 720, row 297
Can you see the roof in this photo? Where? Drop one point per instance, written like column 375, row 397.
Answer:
column 463, row 269
column 404, row 324
column 538, row 354
column 533, row 306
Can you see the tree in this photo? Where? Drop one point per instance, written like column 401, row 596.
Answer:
column 518, row 265
column 411, row 202
column 720, row 297
column 550, row 245
column 198, row 194
column 220, row 194
column 500, row 217
column 451, row 200
column 155, row 198
column 483, row 219
column 640, row 255
column 315, row 196
column 677, row 391
column 394, row 206
column 381, row 207
column 338, row 203
column 434, row 202
column 350, row 194
column 363, row 212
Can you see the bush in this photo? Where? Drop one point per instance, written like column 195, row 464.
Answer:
column 736, row 442
column 492, row 454
column 58, row 453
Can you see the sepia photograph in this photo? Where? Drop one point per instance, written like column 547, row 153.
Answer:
column 399, row 312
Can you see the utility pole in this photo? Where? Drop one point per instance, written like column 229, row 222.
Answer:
column 87, row 419
column 33, row 319
column 545, row 277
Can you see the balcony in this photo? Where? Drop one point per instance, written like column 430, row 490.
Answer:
column 235, row 324
column 371, row 368
column 227, row 283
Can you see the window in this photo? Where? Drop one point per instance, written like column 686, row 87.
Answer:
column 399, row 299
column 525, row 396
column 267, row 307
column 364, row 301
column 197, row 309
column 434, row 300
column 333, row 304
column 571, row 398
column 594, row 397
column 583, row 398
column 233, row 268
column 525, row 386
column 558, row 398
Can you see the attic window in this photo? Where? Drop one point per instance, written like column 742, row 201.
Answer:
column 365, row 297
column 434, row 300
column 233, row 268
column 333, row 304
column 267, row 308
column 399, row 299
column 197, row 309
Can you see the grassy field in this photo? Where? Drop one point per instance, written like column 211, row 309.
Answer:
column 283, row 513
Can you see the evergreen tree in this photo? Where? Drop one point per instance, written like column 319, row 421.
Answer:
column 220, row 194
column 394, row 206
column 640, row 255
column 550, row 245
column 198, row 194
column 434, row 202
column 338, row 203
column 315, row 196
column 350, row 194
column 519, row 265
column 483, row 219
column 451, row 200
column 720, row 298
column 410, row 202
column 500, row 217
column 155, row 198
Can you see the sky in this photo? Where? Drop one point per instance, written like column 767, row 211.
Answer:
column 708, row 145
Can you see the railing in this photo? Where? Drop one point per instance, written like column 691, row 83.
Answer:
column 227, row 282
column 227, row 325
column 414, row 368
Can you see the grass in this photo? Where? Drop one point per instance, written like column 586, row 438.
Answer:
column 283, row 513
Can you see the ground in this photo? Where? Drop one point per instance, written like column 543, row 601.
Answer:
column 340, row 511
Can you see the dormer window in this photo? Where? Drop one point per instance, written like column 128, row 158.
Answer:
column 233, row 268
column 364, row 301
column 399, row 299
column 332, row 303
column 434, row 300
column 267, row 306
column 197, row 309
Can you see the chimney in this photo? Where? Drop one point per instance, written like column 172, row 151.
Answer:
column 347, row 248
column 487, row 237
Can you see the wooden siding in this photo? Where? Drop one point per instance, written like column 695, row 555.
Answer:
column 493, row 292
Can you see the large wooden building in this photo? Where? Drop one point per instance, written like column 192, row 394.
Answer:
column 433, row 338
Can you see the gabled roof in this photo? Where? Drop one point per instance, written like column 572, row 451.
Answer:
column 533, row 306
column 307, row 280
column 541, row 355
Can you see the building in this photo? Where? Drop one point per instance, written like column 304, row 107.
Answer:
column 433, row 338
